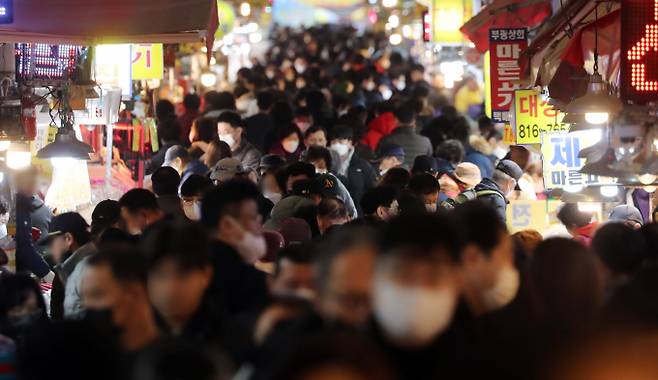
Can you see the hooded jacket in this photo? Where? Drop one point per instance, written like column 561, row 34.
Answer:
column 382, row 125
column 488, row 192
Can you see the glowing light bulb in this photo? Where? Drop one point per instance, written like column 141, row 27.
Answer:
column 589, row 207
column 394, row 21
column 245, row 9
column 18, row 156
column 647, row 179
column 395, row 39
column 255, row 38
column 650, row 189
column 596, row 117
column 208, row 79
column 573, row 188
column 389, row 3
column 609, row 191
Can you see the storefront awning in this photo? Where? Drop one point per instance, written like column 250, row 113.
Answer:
column 558, row 55
column 87, row 22
column 504, row 14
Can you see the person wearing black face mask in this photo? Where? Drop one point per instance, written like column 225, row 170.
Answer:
column 22, row 308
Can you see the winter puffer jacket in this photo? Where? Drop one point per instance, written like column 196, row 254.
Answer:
column 381, row 126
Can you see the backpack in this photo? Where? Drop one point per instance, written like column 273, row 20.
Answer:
column 466, row 196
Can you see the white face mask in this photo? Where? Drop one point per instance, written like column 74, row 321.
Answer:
column 321, row 171
column 228, row 138
column 370, row 86
column 251, row 247
column 300, row 68
column 386, row 93
column 413, row 314
column 503, row 291
column 290, row 146
column 340, row 148
column 273, row 197
column 269, row 74
column 430, row 207
column 400, row 85
column 192, row 210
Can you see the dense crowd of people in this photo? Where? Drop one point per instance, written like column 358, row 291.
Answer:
column 331, row 217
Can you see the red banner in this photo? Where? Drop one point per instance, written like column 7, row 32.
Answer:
column 505, row 46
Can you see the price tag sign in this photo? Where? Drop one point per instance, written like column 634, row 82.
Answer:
column 533, row 116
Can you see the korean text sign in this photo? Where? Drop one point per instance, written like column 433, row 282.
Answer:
column 147, row 61
column 561, row 162
column 533, row 115
column 505, row 46
column 527, row 214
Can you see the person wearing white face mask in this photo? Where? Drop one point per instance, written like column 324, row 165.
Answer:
column 426, row 187
column 416, row 293
column 190, row 192
column 356, row 173
column 288, row 143
column 230, row 127
column 230, row 213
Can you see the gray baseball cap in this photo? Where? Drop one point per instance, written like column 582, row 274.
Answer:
column 626, row 213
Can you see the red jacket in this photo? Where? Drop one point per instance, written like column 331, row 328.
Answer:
column 379, row 127
column 585, row 234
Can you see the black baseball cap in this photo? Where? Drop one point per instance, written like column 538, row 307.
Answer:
column 391, row 150
column 107, row 211
column 70, row 222
column 425, row 164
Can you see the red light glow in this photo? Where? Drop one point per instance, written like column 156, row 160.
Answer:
column 639, row 71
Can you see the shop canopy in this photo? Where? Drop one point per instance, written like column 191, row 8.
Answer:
column 504, row 14
column 86, row 22
column 561, row 54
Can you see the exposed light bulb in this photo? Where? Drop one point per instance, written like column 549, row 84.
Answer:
column 394, row 21
column 589, row 207
column 609, row 191
column 18, row 156
column 395, row 39
column 596, row 117
column 573, row 188
column 208, row 79
column 650, row 189
column 647, row 179
column 255, row 37
column 245, row 9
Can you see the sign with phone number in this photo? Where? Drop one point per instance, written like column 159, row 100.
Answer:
column 533, row 115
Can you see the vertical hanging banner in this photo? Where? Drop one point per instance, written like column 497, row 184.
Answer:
column 147, row 61
column 533, row 116
column 505, row 46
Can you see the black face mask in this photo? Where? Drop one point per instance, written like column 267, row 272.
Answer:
column 101, row 321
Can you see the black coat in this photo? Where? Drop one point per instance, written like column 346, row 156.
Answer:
column 213, row 328
column 237, row 287
column 360, row 178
